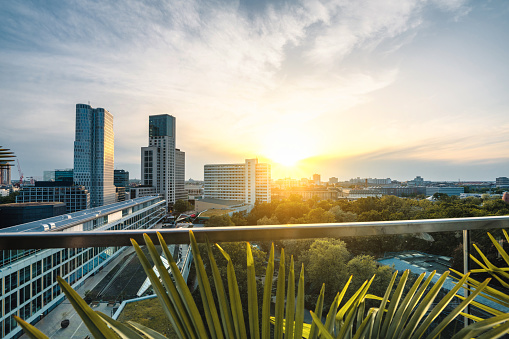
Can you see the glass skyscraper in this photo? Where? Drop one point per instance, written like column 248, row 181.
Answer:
column 93, row 153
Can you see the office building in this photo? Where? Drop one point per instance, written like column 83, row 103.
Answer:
column 20, row 213
column 248, row 182
column 93, row 153
column 30, row 289
column 121, row 178
column 162, row 165
column 65, row 175
column 76, row 198
column 502, row 182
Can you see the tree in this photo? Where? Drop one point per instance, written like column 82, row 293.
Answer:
column 181, row 206
column 239, row 218
column 219, row 220
column 342, row 216
column 290, row 209
column 268, row 221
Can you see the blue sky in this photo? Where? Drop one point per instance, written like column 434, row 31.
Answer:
column 341, row 88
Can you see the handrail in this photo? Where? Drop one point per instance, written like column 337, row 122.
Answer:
column 43, row 240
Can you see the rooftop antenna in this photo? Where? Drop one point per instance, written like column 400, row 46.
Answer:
column 88, row 102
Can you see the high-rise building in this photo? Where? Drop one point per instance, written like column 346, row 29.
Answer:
column 248, row 182
column 180, row 175
column 93, row 153
column 121, row 178
column 162, row 165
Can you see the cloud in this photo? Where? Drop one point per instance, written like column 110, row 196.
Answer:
column 225, row 69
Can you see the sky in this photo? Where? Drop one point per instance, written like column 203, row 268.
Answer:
column 341, row 88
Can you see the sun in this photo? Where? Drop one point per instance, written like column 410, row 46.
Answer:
column 287, row 147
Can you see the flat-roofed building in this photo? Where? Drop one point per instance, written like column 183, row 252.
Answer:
column 248, row 182
column 30, row 289
column 76, row 198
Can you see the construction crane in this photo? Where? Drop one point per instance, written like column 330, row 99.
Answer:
column 20, row 174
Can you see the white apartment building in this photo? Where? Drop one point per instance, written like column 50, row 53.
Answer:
column 248, row 182
column 162, row 165
column 93, row 154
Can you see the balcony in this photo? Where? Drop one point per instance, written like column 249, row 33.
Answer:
column 461, row 228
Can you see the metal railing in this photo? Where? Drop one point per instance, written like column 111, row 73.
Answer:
column 43, row 240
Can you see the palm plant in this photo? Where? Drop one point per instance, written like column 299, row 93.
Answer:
column 398, row 315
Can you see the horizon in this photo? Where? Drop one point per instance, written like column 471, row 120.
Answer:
column 352, row 89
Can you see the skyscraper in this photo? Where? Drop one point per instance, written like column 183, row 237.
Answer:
column 162, row 165
column 93, row 153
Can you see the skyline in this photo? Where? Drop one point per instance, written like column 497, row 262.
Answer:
column 351, row 89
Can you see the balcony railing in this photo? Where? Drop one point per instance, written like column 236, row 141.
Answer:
column 43, row 240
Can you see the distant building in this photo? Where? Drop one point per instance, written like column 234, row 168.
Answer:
column 180, row 175
column 120, row 178
column 48, row 176
column 20, row 213
column 306, row 193
column 248, row 182
column 333, row 180
column 93, row 153
column 194, row 191
column 142, row 191
column 363, row 193
column 447, row 190
column 502, row 182
column 316, row 179
column 162, row 165
column 6, row 160
column 418, row 181
column 66, row 175
column 76, row 198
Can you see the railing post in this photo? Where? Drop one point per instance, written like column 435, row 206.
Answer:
column 466, row 259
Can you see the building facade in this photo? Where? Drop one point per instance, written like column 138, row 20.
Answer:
column 76, row 198
column 93, row 153
column 502, row 182
column 248, row 182
column 180, row 175
column 121, row 178
column 162, row 165
column 30, row 289
column 65, row 175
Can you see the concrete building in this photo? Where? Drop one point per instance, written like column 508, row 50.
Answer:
column 418, row 181
column 248, row 182
column 76, row 198
column 30, row 289
column 93, row 153
column 6, row 160
column 333, row 180
column 180, row 175
column 142, row 191
column 159, row 160
column 194, row 192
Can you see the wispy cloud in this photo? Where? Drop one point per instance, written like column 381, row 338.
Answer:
column 226, row 71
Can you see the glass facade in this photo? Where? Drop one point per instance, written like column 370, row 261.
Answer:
column 94, row 153
column 161, row 126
